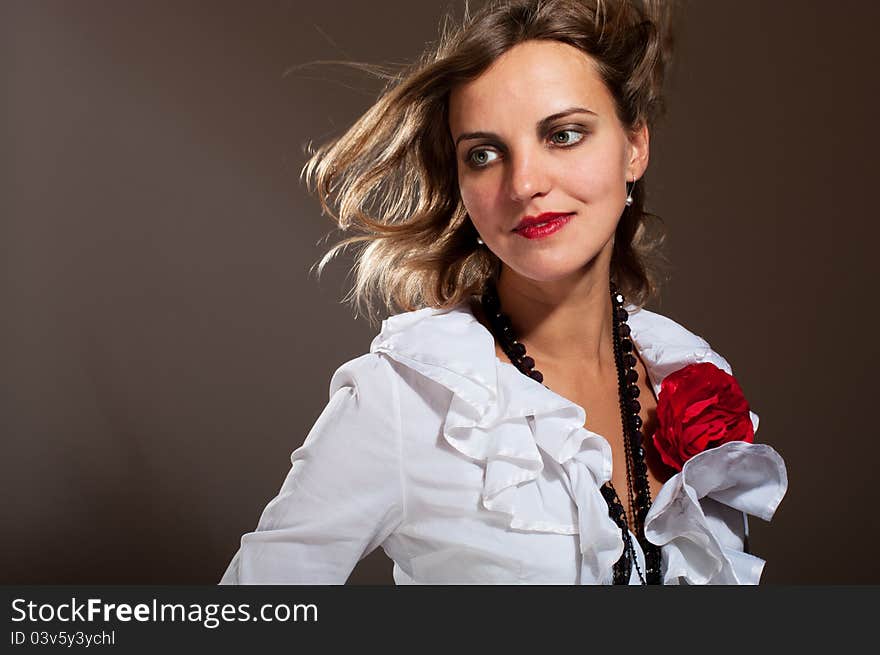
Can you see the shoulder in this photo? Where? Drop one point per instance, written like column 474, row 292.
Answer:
column 409, row 358
column 419, row 357
column 665, row 337
column 369, row 371
column 407, row 333
column 430, row 333
column 435, row 347
column 665, row 345
column 657, row 327
column 385, row 398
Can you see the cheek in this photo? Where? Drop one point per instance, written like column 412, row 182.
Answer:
column 591, row 179
column 480, row 198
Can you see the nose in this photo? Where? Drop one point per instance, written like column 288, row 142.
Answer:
column 528, row 176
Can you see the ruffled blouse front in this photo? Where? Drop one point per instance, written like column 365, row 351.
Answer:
column 467, row 471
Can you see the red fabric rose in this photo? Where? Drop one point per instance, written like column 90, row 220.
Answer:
column 699, row 407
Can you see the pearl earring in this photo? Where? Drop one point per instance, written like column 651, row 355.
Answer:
column 480, row 242
column 629, row 193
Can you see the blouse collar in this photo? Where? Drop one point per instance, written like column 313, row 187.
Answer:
column 452, row 347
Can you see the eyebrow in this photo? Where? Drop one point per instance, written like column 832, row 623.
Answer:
column 541, row 126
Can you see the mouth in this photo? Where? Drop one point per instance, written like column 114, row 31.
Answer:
column 536, row 227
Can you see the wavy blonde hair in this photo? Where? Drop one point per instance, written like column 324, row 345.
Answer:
column 392, row 177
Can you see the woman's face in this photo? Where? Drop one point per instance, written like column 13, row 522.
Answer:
column 537, row 134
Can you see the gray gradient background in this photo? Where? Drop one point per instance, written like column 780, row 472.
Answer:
column 164, row 348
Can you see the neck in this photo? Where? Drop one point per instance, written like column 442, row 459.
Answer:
column 564, row 320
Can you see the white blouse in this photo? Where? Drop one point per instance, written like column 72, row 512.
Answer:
column 466, row 471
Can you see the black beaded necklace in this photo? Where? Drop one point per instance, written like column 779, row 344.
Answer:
column 638, row 491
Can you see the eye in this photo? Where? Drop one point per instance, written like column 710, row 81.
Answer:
column 481, row 157
column 566, row 137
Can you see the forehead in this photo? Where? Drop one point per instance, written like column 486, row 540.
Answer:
column 528, row 82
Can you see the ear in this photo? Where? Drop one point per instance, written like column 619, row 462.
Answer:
column 638, row 152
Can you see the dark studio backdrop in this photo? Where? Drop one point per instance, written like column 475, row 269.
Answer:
column 164, row 347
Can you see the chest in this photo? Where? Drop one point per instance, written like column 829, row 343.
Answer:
column 600, row 400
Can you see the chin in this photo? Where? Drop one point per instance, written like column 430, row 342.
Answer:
column 544, row 269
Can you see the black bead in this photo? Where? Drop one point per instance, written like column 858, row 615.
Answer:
column 626, row 345
column 527, row 363
column 633, row 391
column 536, row 375
column 632, row 376
column 518, row 349
column 636, row 438
column 634, row 406
column 629, row 360
column 622, row 314
column 624, row 330
column 635, row 421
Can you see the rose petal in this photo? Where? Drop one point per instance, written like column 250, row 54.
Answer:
column 696, row 408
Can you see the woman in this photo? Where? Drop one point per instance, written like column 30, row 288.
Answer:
column 505, row 427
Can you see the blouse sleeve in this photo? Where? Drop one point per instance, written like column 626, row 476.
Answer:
column 343, row 495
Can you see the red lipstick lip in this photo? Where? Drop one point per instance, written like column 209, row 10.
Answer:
column 528, row 221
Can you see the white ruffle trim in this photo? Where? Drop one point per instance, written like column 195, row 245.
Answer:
column 508, row 438
column 750, row 478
